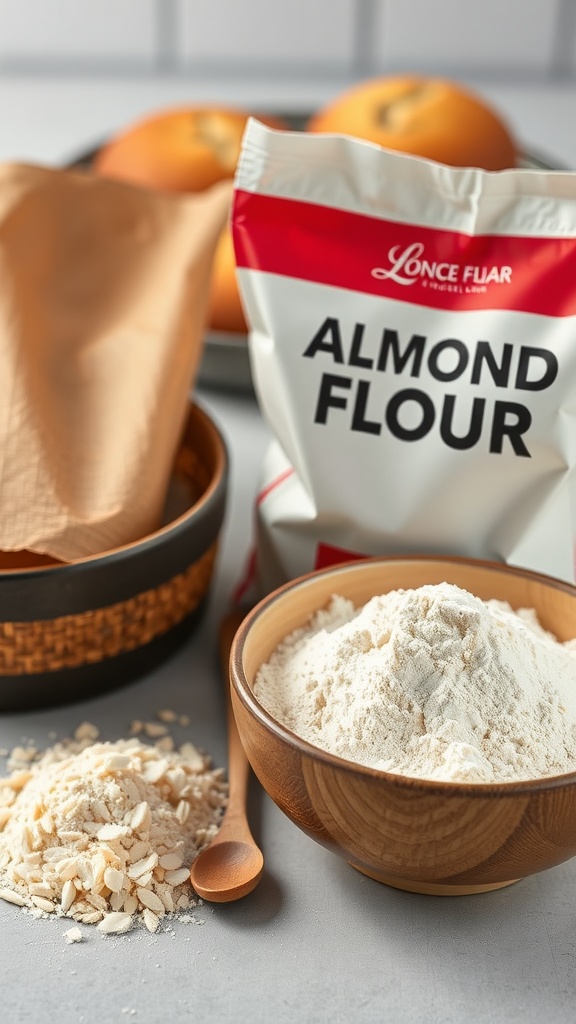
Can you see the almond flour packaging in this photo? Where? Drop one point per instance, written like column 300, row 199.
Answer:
column 413, row 348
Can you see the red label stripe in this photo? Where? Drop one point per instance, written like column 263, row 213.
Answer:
column 263, row 494
column 406, row 262
column 328, row 554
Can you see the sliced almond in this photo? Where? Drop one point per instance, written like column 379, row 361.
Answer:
column 46, row 823
column 112, row 831
column 170, row 861
column 150, row 899
column 117, row 762
column 177, row 877
column 151, row 920
column 41, row 889
column 155, row 729
column 43, row 904
column 114, row 879
column 193, row 756
column 130, row 904
column 69, row 892
column 141, row 816
column 166, row 715
column 141, row 867
column 66, row 869
column 154, row 770
column 139, row 850
column 115, row 922
column 86, row 731
column 90, row 917
column 12, row 897
column 182, row 811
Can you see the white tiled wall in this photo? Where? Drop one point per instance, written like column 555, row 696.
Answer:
column 479, row 35
column 74, row 32
column 509, row 38
column 299, row 32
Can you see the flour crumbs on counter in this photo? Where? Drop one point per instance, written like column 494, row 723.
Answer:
column 433, row 683
column 104, row 833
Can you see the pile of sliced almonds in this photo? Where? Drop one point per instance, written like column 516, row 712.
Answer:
column 105, row 833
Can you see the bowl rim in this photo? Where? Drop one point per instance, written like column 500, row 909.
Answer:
column 477, row 790
column 48, row 592
column 149, row 540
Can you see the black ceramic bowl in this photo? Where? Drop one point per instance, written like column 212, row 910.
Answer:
column 70, row 631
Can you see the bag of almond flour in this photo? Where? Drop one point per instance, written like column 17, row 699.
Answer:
column 413, row 349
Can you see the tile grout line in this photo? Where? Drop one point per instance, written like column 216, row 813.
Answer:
column 167, row 21
column 364, row 56
column 564, row 44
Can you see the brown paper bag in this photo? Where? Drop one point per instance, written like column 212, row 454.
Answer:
column 103, row 295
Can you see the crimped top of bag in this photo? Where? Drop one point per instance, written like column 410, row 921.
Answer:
column 362, row 177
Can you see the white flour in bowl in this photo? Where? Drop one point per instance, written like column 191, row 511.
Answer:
column 431, row 682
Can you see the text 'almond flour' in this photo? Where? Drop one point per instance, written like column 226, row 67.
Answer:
column 105, row 833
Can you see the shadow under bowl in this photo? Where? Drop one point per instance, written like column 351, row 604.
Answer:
column 425, row 836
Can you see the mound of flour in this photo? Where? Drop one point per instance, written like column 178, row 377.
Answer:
column 431, row 682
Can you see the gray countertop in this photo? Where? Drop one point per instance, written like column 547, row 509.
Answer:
column 317, row 941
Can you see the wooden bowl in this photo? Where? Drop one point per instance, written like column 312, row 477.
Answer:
column 69, row 631
column 424, row 836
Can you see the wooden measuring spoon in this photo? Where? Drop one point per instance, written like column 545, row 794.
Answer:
column 232, row 864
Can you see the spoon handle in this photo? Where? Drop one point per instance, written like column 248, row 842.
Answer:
column 238, row 766
column 232, row 864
